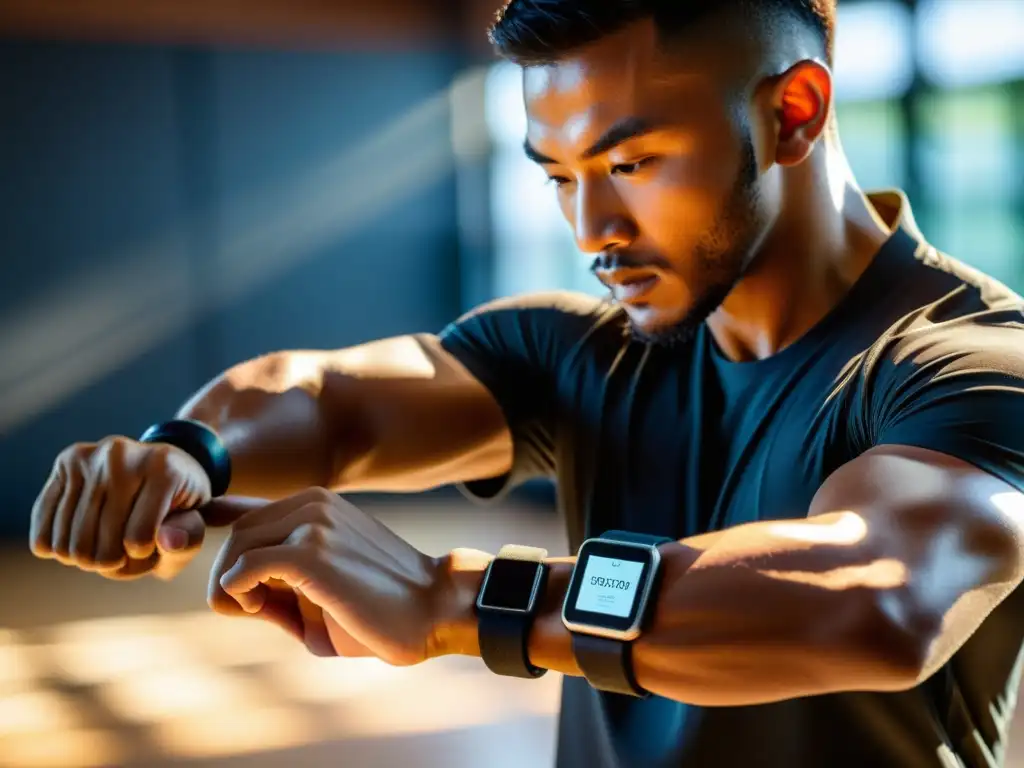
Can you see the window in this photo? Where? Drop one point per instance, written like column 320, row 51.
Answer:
column 970, row 42
column 971, row 178
column 873, row 51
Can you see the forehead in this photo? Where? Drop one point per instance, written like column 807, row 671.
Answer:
column 622, row 75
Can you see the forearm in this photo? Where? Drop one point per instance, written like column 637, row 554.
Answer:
column 395, row 415
column 769, row 612
column 744, row 616
column 275, row 420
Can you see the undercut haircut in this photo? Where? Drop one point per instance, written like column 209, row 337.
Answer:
column 540, row 32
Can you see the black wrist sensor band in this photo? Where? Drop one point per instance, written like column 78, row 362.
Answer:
column 612, row 590
column 509, row 599
column 201, row 443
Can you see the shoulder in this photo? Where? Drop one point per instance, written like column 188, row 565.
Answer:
column 948, row 375
column 553, row 317
column 961, row 314
column 541, row 330
column 954, row 357
column 980, row 291
column 546, row 304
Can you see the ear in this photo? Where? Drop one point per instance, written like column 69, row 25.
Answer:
column 802, row 102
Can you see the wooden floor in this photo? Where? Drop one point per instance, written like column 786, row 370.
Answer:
column 97, row 673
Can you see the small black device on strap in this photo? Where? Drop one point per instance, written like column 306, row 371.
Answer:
column 510, row 597
column 607, row 605
column 201, row 443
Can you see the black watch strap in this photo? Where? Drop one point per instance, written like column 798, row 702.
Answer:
column 201, row 443
column 606, row 663
column 503, row 644
column 504, row 633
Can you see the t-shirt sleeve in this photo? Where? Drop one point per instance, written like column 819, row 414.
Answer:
column 517, row 348
column 958, row 389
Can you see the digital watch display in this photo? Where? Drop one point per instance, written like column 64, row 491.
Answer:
column 608, row 601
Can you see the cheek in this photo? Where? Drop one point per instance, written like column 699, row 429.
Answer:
column 676, row 205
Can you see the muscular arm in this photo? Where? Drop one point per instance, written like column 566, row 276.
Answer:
column 394, row 415
column 904, row 553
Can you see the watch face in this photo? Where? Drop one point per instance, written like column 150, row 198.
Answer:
column 609, row 585
column 511, row 585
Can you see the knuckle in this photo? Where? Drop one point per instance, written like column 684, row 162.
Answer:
column 158, row 456
column 321, row 515
column 321, row 496
column 310, row 534
column 78, row 452
column 244, row 561
column 115, row 451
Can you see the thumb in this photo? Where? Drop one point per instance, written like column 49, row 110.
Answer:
column 181, row 532
column 226, row 510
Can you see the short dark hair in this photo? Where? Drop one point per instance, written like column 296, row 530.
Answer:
column 536, row 32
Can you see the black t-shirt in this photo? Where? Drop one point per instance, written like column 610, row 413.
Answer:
column 922, row 351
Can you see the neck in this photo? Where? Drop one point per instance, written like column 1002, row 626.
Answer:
column 824, row 238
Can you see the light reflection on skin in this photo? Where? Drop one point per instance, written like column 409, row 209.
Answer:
column 846, row 528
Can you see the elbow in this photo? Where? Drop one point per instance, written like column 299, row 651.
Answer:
column 891, row 640
column 909, row 631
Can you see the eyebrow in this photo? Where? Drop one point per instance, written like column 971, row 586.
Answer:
column 623, row 130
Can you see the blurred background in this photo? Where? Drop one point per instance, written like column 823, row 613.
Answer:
column 185, row 185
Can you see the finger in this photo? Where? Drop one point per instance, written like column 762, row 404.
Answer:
column 122, row 489
column 245, row 538
column 151, row 506
column 343, row 644
column 315, row 634
column 89, row 501
column 43, row 511
column 181, row 532
column 108, row 533
column 177, row 542
column 73, row 486
column 88, row 514
column 263, row 513
column 228, row 510
column 281, row 607
column 132, row 568
column 286, row 562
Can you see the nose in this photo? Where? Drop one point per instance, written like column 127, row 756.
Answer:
column 601, row 222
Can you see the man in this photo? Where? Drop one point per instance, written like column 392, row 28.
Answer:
column 822, row 411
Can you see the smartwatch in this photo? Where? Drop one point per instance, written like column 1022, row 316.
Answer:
column 508, row 601
column 608, row 601
column 201, row 443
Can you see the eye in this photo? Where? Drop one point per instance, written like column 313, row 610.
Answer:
column 628, row 169
column 558, row 181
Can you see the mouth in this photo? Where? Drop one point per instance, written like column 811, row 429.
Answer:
column 629, row 289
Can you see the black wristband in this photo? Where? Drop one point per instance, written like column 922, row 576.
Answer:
column 503, row 644
column 607, row 664
column 201, row 443
column 507, row 604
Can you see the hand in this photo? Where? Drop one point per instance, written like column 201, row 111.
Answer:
column 333, row 577
column 121, row 508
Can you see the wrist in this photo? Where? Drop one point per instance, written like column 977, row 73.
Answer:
column 550, row 644
column 457, row 579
